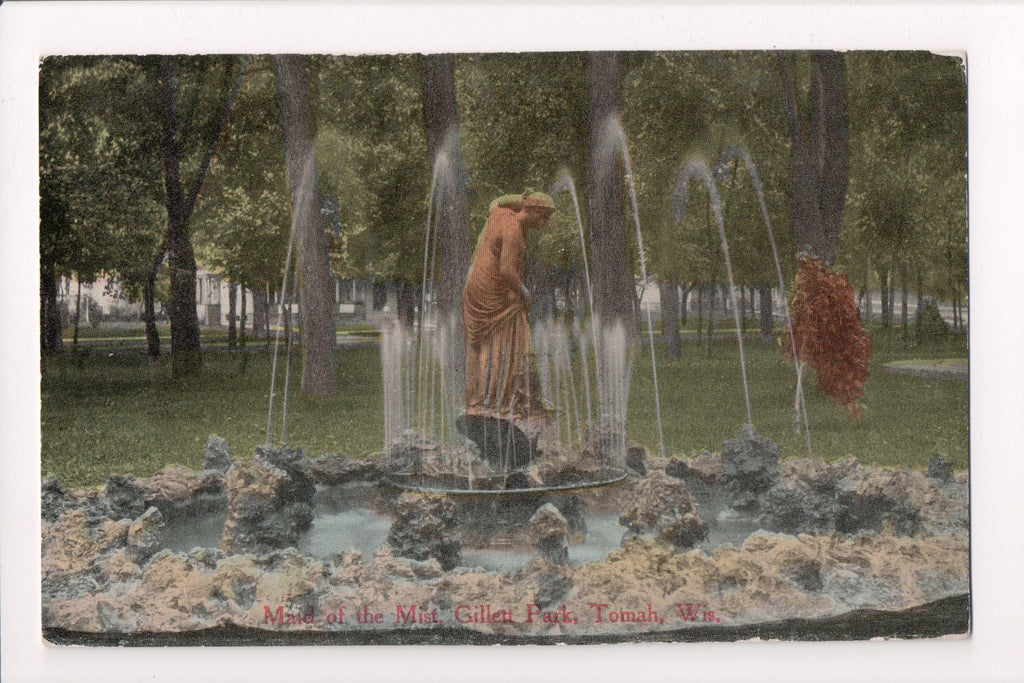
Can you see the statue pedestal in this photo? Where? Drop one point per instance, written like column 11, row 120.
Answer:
column 506, row 445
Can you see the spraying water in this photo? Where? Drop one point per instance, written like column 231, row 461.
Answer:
column 698, row 168
column 615, row 134
column 305, row 194
column 609, row 347
column 565, row 183
column 736, row 152
column 425, row 446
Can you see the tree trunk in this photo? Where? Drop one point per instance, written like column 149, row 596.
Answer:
column 149, row 307
column 260, row 308
column 319, row 367
column 541, row 280
column 903, row 307
column 78, row 313
column 612, row 277
column 749, row 312
column 683, row 304
column 243, row 319
column 670, row 318
column 408, row 298
column 186, row 352
column 767, row 314
column 49, row 318
column 820, row 157
column 741, row 304
column 885, row 305
column 867, row 291
column 441, row 119
column 711, row 311
column 232, row 326
column 892, row 301
column 700, row 309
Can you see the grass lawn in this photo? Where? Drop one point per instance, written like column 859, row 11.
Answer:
column 108, row 414
column 115, row 414
column 905, row 421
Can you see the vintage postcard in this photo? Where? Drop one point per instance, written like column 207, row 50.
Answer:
column 666, row 345
column 502, row 347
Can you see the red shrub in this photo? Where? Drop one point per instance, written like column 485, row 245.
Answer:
column 828, row 332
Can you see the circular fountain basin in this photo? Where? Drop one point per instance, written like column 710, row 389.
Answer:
column 353, row 517
column 781, row 541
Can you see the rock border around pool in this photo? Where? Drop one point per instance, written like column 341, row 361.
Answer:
column 104, row 572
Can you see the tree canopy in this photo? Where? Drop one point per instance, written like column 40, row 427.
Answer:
column 523, row 120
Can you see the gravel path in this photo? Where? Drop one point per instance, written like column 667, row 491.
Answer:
column 956, row 371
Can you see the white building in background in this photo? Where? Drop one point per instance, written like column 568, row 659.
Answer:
column 102, row 299
column 354, row 300
column 716, row 301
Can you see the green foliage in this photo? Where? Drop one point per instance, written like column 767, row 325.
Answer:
column 906, row 215
column 372, row 159
column 523, row 121
column 680, row 106
column 929, row 323
column 243, row 218
column 101, row 123
column 100, row 161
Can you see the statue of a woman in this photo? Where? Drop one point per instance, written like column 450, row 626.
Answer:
column 496, row 304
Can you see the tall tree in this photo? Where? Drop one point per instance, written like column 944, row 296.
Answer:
column 614, row 293
column 185, row 346
column 669, row 294
column 56, row 244
column 441, row 117
column 826, row 322
column 185, row 343
column 820, row 156
column 451, row 210
column 319, row 367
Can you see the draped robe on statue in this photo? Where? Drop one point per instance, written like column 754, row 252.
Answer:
column 499, row 373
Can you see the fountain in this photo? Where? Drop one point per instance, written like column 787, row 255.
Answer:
column 520, row 429
column 533, row 520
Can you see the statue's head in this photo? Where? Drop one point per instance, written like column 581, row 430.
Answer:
column 534, row 209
